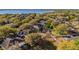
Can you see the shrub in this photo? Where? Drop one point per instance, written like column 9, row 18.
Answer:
column 49, row 24
column 37, row 41
column 5, row 30
column 67, row 45
column 61, row 29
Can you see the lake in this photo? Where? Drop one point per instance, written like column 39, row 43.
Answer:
column 24, row 11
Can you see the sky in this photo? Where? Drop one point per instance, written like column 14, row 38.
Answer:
column 24, row 11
